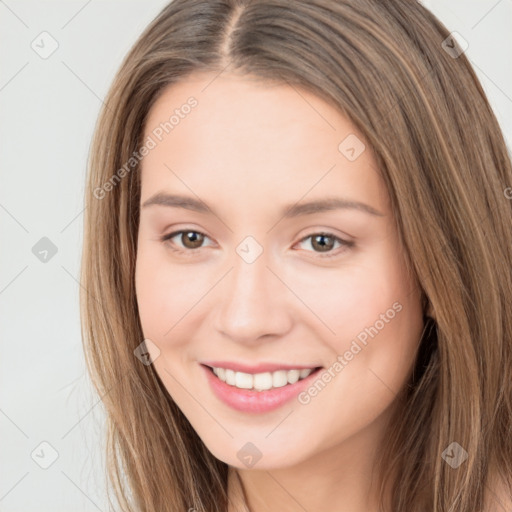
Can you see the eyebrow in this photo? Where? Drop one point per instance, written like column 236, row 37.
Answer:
column 289, row 211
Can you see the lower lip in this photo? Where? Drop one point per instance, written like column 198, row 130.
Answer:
column 246, row 400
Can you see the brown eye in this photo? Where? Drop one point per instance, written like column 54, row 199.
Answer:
column 192, row 239
column 325, row 243
column 322, row 243
column 188, row 239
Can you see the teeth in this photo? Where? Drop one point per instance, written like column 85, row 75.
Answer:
column 243, row 380
column 221, row 373
column 304, row 373
column 279, row 379
column 230, row 377
column 294, row 375
column 261, row 381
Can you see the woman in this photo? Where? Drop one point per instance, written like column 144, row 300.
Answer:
column 297, row 264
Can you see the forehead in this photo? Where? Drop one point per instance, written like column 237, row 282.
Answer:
column 248, row 110
column 257, row 136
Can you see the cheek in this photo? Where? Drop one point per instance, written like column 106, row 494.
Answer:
column 348, row 299
column 161, row 294
column 370, row 310
column 150, row 293
column 379, row 326
column 169, row 296
column 378, row 323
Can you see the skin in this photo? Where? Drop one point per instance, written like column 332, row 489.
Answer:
column 247, row 149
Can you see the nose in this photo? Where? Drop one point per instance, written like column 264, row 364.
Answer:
column 252, row 303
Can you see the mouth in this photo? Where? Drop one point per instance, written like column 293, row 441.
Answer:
column 261, row 381
column 258, row 392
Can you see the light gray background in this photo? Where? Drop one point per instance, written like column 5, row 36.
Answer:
column 48, row 111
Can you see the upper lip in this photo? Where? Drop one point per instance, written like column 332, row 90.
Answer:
column 259, row 368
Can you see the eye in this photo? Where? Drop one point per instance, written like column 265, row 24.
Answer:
column 322, row 242
column 325, row 242
column 189, row 238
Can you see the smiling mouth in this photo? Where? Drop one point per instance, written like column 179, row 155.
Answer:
column 261, row 381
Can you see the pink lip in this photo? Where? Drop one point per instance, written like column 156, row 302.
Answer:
column 260, row 368
column 246, row 400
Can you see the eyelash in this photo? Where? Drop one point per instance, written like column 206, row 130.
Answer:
column 344, row 243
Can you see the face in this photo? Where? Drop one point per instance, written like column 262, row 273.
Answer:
column 240, row 274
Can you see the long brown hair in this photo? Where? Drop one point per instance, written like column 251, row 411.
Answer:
column 393, row 70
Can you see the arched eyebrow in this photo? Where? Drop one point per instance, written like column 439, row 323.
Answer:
column 288, row 211
column 328, row 204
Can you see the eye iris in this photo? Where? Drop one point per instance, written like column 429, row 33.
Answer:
column 192, row 237
column 323, row 247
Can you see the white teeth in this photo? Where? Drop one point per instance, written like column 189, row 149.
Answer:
column 293, row 376
column 279, row 379
column 221, row 373
column 304, row 373
column 243, row 380
column 261, row 381
column 230, row 377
